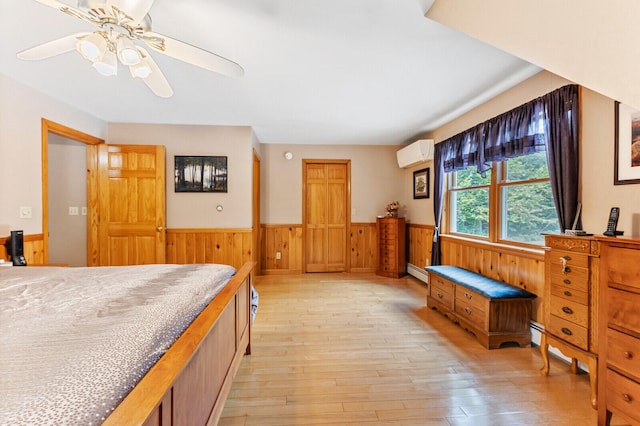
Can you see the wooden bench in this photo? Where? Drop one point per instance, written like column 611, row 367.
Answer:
column 495, row 312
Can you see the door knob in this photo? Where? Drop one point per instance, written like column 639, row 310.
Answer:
column 159, row 228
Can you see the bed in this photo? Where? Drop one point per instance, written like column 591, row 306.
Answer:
column 148, row 344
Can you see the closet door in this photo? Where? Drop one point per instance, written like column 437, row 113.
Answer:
column 326, row 206
column 131, row 202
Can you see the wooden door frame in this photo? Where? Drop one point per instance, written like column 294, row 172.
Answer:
column 256, row 237
column 347, row 163
column 49, row 126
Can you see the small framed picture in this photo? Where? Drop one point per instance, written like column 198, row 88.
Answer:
column 421, row 183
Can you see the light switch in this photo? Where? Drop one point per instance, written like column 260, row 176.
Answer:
column 84, row 211
column 73, row 211
column 25, row 212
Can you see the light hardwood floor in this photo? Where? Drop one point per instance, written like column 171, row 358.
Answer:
column 358, row 349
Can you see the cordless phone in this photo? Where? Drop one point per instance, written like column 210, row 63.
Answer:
column 612, row 224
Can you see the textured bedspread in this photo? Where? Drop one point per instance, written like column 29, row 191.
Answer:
column 75, row 341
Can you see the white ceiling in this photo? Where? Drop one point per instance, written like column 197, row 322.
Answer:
column 316, row 71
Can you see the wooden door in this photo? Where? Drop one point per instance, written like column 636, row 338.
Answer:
column 131, row 204
column 326, row 198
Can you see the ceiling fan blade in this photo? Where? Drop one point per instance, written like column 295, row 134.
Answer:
column 192, row 55
column 156, row 81
column 52, row 48
column 135, row 9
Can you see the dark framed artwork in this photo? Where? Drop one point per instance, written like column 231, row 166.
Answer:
column 196, row 173
column 421, row 183
column 626, row 167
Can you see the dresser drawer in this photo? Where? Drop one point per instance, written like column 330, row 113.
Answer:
column 471, row 313
column 570, row 311
column 622, row 395
column 623, row 353
column 572, row 260
column 571, row 280
column 472, row 298
column 569, row 331
column 568, row 293
column 570, row 272
column 623, row 310
column 624, row 268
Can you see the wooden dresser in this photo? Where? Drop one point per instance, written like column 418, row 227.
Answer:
column 619, row 364
column 571, row 303
column 391, row 233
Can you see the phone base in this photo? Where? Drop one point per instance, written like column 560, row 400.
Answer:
column 613, row 233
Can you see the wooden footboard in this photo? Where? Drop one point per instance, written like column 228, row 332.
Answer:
column 190, row 383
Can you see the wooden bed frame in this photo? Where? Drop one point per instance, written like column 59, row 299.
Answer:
column 191, row 381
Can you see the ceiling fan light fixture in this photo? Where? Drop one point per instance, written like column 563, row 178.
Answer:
column 92, row 47
column 140, row 70
column 108, row 66
column 127, row 52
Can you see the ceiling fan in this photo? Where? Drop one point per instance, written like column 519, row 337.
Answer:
column 120, row 23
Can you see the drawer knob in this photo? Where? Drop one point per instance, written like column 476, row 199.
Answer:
column 566, row 331
column 567, row 310
column 468, row 310
column 564, row 260
column 566, row 281
column 440, row 295
column 627, row 397
column 567, row 293
column 628, row 355
column 467, row 295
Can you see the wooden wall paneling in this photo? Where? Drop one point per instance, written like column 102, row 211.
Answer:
column 33, row 249
column 363, row 247
column 420, row 239
column 286, row 239
column 228, row 246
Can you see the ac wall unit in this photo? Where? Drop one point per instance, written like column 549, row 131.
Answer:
column 418, row 152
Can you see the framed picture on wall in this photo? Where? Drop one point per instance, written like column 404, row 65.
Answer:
column 196, row 173
column 626, row 168
column 421, row 183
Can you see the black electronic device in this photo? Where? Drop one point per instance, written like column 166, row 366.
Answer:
column 612, row 223
column 15, row 248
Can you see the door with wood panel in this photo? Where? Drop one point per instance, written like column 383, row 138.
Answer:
column 326, row 187
column 131, row 204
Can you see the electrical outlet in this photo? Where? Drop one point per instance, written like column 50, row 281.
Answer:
column 278, row 255
column 25, row 213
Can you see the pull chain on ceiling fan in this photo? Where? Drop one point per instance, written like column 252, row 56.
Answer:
column 118, row 24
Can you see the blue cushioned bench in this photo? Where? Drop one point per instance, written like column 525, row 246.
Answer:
column 494, row 311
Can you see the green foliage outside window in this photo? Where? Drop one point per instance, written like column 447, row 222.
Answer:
column 526, row 205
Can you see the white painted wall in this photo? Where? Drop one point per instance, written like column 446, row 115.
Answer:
column 198, row 210
column 21, row 113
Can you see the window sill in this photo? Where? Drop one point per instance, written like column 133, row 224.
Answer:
column 528, row 252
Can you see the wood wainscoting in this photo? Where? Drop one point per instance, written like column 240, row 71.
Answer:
column 286, row 239
column 520, row 267
column 420, row 241
column 281, row 251
column 207, row 245
column 33, row 249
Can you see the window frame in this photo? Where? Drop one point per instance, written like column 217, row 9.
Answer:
column 496, row 217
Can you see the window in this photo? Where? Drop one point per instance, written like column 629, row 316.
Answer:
column 516, row 197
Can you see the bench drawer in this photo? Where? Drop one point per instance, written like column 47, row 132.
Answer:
column 470, row 313
column 471, row 297
column 441, row 290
